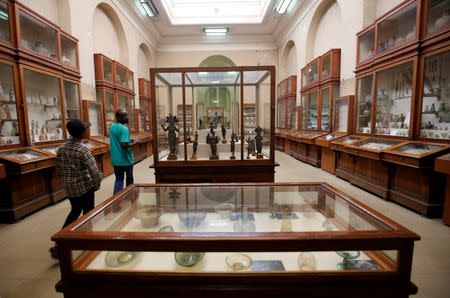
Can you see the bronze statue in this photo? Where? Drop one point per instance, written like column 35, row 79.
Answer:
column 224, row 132
column 171, row 120
column 232, row 141
column 195, row 146
column 258, row 140
column 249, row 147
column 212, row 140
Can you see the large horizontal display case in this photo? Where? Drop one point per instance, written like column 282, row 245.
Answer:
column 219, row 147
column 262, row 240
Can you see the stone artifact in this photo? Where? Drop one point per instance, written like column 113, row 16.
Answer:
column 195, row 146
column 258, row 140
column 224, row 132
column 233, row 140
column 172, row 130
column 212, row 140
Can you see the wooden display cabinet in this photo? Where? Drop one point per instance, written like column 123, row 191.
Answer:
column 413, row 181
column 7, row 28
column 27, row 185
column 330, row 66
column 214, row 161
column 310, row 74
column 107, row 98
column 2, row 171
column 329, row 244
column 345, row 167
column 104, row 71
column 442, row 165
column 435, row 22
column 123, row 78
column 69, row 54
column 286, row 103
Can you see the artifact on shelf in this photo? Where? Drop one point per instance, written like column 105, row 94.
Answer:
column 233, row 140
column 172, row 136
column 188, row 259
column 191, row 218
column 244, row 223
column 224, row 132
column 195, row 146
column 286, row 225
column 306, row 261
column 119, row 258
column 149, row 216
column 168, row 228
column 238, row 262
column 346, row 257
column 224, row 210
column 212, row 140
column 258, row 142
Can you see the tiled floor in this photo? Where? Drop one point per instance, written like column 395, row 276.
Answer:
column 27, row 270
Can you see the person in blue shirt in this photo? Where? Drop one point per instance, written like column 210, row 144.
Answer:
column 122, row 157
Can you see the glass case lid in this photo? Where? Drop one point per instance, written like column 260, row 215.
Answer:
column 349, row 140
column 232, row 210
column 331, row 136
column 22, row 155
column 376, row 144
column 414, row 148
column 103, row 139
column 50, row 148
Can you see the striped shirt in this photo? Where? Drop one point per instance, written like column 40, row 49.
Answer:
column 77, row 167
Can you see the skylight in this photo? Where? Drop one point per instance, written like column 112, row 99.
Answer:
column 183, row 12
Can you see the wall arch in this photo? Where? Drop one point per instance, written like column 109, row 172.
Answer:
column 217, row 61
column 109, row 35
column 144, row 61
column 289, row 59
column 320, row 38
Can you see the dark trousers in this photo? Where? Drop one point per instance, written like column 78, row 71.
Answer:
column 84, row 203
column 119, row 172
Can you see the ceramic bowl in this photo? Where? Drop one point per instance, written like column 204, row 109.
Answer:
column 119, row 258
column 166, row 229
column 306, row 261
column 224, row 210
column 149, row 216
column 191, row 218
column 238, row 262
column 188, row 259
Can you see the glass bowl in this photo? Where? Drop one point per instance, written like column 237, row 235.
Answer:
column 149, row 216
column 119, row 258
column 238, row 262
column 191, row 218
column 188, row 259
column 224, row 210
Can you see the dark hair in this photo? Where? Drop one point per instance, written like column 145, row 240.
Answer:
column 120, row 114
column 76, row 127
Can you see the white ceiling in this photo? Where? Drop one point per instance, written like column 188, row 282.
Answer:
column 258, row 27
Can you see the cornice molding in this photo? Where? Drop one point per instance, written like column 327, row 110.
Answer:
column 208, row 47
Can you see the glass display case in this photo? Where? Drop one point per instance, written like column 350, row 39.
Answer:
column 9, row 121
column 37, row 35
column 398, row 28
column 325, row 102
column 343, row 114
column 43, row 102
column 123, row 77
column 5, row 28
column 393, row 100
column 435, row 109
column 303, row 120
column 313, row 72
column 371, row 147
column 341, row 143
column 93, row 112
column 366, row 45
column 415, row 154
column 291, row 113
column 278, row 236
column 104, row 72
column 69, row 51
column 72, row 100
column 438, row 15
column 330, row 65
column 144, row 88
column 312, row 101
column 224, row 134
column 364, row 104
column 281, row 113
column 144, row 115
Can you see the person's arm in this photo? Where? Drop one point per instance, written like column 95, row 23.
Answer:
column 91, row 165
column 125, row 140
column 131, row 143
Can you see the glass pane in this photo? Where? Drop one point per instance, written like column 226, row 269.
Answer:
column 303, row 103
column 364, row 105
column 110, row 111
column 9, row 123
column 292, row 113
column 313, row 72
column 44, row 106
column 281, row 114
column 72, row 97
column 394, row 90
column 22, row 155
column 366, row 45
column 326, row 66
column 341, row 116
column 325, row 115
column 418, row 148
column 130, row 80
column 143, row 113
column 131, row 115
column 312, row 110
column 4, row 22
column 438, row 15
column 377, row 144
column 37, row 36
column 95, row 117
column 107, row 70
column 121, row 76
column 435, row 118
column 123, row 103
column 398, row 29
column 304, row 77
column 68, row 52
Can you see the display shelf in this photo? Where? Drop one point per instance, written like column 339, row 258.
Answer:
column 10, row 134
column 296, row 235
column 220, row 100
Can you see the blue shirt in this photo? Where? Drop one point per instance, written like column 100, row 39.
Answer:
column 120, row 156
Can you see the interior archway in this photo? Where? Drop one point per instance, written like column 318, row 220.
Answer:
column 144, row 61
column 289, row 60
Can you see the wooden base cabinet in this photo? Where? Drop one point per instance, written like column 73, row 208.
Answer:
column 328, row 160
column 442, row 165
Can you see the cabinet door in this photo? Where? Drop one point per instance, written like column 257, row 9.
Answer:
column 325, row 103
column 313, row 110
column 5, row 29
column 72, row 100
column 364, row 104
column 9, row 118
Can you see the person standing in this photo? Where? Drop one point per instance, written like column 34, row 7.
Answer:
column 78, row 170
column 122, row 157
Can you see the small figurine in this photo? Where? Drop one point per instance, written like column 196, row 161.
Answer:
column 195, row 146
column 224, row 132
column 12, row 97
column 433, row 108
column 171, row 120
column 249, row 147
column 232, row 141
column 188, row 136
column 258, row 140
column 212, row 140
